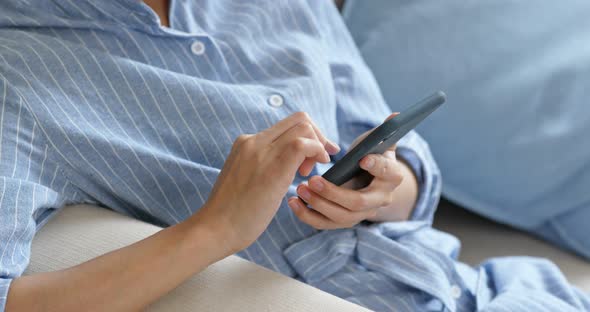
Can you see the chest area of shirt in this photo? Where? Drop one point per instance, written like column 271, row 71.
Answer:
column 179, row 95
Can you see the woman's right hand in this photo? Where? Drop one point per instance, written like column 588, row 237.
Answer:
column 257, row 175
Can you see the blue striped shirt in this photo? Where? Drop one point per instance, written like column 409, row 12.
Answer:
column 102, row 105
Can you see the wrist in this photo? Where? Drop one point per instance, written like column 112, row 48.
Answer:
column 406, row 196
column 207, row 233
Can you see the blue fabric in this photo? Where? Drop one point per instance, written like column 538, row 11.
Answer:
column 512, row 140
column 102, row 105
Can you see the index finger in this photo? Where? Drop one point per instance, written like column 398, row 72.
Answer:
column 274, row 132
column 364, row 135
column 331, row 147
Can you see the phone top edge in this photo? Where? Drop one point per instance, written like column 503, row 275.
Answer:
column 388, row 133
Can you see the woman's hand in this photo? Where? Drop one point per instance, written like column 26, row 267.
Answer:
column 246, row 196
column 387, row 193
column 257, row 175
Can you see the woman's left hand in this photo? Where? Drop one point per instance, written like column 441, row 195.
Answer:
column 387, row 193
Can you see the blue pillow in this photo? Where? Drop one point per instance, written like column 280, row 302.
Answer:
column 513, row 140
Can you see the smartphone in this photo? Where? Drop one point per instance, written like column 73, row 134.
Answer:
column 383, row 137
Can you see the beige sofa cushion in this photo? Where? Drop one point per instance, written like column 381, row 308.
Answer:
column 79, row 233
column 482, row 239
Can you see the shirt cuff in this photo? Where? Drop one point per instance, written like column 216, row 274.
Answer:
column 4, row 285
column 414, row 151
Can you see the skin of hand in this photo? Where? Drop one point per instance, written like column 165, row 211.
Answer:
column 257, row 175
column 386, row 192
column 246, row 196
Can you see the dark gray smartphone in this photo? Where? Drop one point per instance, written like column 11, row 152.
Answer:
column 383, row 137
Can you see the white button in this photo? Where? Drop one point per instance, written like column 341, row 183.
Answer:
column 198, row 48
column 276, row 100
column 455, row 292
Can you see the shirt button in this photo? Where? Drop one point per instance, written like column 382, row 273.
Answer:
column 198, row 48
column 455, row 292
column 276, row 100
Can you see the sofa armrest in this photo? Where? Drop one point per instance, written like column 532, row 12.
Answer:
column 79, row 233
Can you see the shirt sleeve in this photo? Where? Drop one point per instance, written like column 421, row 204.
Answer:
column 29, row 181
column 361, row 107
column 414, row 151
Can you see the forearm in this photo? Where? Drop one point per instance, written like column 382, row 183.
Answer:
column 127, row 279
column 247, row 194
column 405, row 197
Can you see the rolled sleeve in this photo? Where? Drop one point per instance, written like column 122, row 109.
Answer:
column 414, row 151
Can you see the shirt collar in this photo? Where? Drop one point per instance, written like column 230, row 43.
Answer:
column 134, row 13
column 80, row 13
column 106, row 15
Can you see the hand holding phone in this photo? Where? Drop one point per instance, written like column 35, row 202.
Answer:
column 383, row 137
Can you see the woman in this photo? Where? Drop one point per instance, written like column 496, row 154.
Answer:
column 135, row 105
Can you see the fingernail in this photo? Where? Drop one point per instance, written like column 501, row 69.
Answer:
column 304, row 193
column 391, row 116
column 317, row 185
column 369, row 162
column 293, row 204
column 332, row 147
